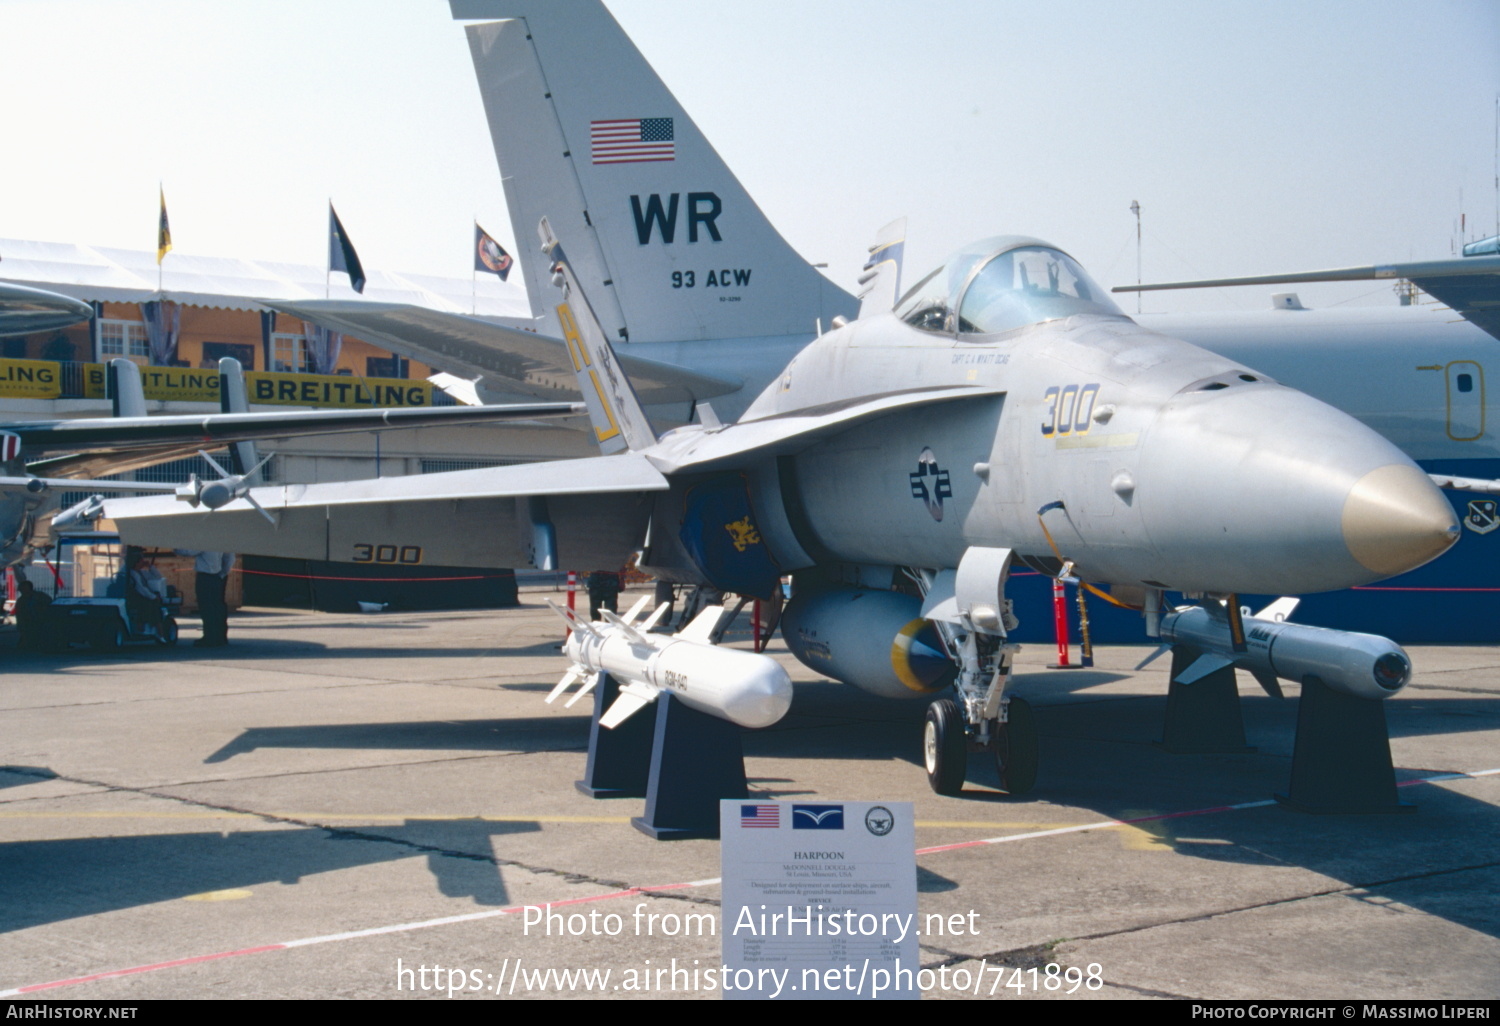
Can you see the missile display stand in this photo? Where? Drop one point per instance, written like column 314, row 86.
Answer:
column 680, row 760
column 686, row 757
column 696, row 760
column 1202, row 717
column 1341, row 761
column 619, row 759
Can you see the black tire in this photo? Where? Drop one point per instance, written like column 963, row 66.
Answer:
column 112, row 639
column 166, row 634
column 1016, row 750
column 945, row 748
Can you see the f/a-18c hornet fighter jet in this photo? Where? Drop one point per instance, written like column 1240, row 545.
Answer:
column 1002, row 411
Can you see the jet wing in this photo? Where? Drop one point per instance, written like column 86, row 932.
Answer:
column 594, row 511
column 792, row 432
column 26, row 310
column 521, row 361
column 1470, row 285
column 115, row 444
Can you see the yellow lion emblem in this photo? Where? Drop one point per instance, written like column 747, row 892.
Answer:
column 744, row 534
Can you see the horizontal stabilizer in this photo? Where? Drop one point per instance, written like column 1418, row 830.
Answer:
column 116, row 434
column 597, row 510
column 508, row 359
column 75, row 484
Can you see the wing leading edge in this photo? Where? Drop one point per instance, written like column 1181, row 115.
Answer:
column 1470, row 285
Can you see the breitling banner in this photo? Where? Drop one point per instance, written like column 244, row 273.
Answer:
column 30, row 379
column 334, row 390
column 44, row 379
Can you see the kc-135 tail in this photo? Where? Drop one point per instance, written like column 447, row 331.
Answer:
column 664, row 237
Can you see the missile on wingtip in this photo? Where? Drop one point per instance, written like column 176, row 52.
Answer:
column 745, row 688
column 1362, row 665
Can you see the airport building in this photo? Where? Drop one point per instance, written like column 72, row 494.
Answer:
column 201, row 309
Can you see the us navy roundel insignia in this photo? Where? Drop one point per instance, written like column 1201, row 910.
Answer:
column 1484, row 516
column 930, row 484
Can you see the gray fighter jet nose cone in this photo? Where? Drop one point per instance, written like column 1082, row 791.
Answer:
column 1266, row 490
column 1395, row 519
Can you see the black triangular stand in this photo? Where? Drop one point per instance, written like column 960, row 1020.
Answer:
column 1203, row 716
column 696, row 760
column 1342, row 759
column 619, row 759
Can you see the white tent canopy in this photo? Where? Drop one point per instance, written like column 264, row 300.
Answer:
column 130, row 276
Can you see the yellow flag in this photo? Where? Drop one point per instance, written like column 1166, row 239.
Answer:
column 163, row 232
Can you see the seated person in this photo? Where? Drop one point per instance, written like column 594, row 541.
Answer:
column 146, row 592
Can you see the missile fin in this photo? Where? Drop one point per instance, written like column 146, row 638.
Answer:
column 573, row 676
column 1160, row 651
column 655, row 617
column 1202, row 667
column 703, row 626
column 572, row 619
column 589, row 684
column 625, row 625
column 1268, row 681
column 635, row 610
column 1279, row 611
column 633, row 698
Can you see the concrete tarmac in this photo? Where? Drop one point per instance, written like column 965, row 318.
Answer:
column 345, row 805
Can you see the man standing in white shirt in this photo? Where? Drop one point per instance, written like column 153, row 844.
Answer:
column 212, row 575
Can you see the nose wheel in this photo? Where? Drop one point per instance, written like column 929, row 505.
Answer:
column 1016, row 749
column 945, row 747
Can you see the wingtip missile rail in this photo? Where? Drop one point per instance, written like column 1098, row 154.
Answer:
column 745, row 688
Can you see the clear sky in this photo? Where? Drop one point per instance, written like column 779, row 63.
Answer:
column 1258, row 136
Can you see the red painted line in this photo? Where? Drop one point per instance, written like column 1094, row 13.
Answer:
column 632, row 891
column 1366, row 587
column 147, row 968
column 315, row 577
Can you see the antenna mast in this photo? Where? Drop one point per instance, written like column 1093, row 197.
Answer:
column 1135, row 208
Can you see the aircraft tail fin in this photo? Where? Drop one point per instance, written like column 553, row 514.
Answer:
column 233, row 398
column 668, row 242
column 880, row 281
column 614, row 408
column 127, row 396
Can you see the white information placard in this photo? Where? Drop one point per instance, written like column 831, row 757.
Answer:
column 820, row 899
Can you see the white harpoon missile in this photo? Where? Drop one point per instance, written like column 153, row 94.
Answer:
column 1362, row 665
column 745, row 688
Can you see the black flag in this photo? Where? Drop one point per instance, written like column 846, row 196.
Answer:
column 489, row 255
column 341, row 255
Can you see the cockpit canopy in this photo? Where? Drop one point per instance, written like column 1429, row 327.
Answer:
column 1002, row 283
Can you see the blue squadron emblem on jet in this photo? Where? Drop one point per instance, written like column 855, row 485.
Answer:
column 942, row 487
column 1483, row 516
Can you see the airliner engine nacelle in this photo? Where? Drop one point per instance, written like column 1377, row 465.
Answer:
column 875, row 640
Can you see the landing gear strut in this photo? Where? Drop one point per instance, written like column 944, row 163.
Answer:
column 981, row 716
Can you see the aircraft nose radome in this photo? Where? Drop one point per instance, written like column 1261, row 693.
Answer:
column 1395, row 519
